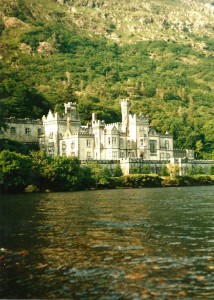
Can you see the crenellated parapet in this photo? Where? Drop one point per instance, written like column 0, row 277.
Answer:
column 97, row 123
column 52, row 117
column 71, row 112
column 23, row 121
column 84, row 134
column 142, row 118
column 125, row 102
column 112, row 126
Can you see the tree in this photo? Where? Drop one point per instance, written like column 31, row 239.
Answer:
column 173, row 170
column 17, row 147
column 20, row 100
column 100, row 175
column 16, row 171
column 60, row 173
column 198, row 148
column 163, row 171
column 117, row 172
column 3, row 125
column 68, row 94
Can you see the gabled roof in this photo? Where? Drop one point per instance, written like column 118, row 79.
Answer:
column 114, row 130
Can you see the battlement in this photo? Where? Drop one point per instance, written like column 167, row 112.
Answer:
column 84, row 127
column 125, row 101
column 85, row 134
column 70, row 104
column 141, row 117
column 98, row 123
column 200, row 161
column 52, row 116
column 112, row 125
column 23, row 121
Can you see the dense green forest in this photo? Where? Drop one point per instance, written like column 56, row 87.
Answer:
column 47, row 58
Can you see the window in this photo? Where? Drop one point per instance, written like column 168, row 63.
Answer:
column 88, row 155
column 141, row 142
column 130, row 154
column 72, row 145
column 12, row 130
column 114, row 141
column 128, row 143
column 50, row 145
column 114, row 156
column 153, row 146
column 51, row 149
column 109, row 141
column 88, row 143
column 162, row 156
column 27, row 131
column 121, row 142
column 167, row 156
column 167, row 144
column 39, row 131
column 63, row 146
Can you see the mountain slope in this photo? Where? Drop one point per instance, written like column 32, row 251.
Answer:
column 158, row 53
column 130, row 21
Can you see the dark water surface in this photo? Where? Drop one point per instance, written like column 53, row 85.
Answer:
column 114, row 244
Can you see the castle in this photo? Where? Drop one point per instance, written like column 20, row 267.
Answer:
column 64, row 135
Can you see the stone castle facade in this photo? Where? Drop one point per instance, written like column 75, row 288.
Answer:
column 133, row 137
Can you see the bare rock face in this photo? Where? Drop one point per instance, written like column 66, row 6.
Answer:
column 45, row 48
column 25, row 48
column 145, row 20
column 12, row 22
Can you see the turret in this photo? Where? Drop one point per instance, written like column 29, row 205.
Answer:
column 72, row 117
column 71, row 111
column 94, row 118
column 125, row 105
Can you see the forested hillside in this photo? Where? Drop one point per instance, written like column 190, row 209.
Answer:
column 160, row 54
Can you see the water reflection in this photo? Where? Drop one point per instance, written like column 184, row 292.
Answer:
column 120, row 244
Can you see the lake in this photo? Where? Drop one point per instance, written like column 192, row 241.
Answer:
column 112, row 244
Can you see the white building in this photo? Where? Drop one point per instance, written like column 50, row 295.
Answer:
column 133, row 137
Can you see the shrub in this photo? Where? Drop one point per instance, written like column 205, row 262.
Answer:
column 138, row 180
column 31, row 189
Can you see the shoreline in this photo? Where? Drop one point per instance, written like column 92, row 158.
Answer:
column 131, row 181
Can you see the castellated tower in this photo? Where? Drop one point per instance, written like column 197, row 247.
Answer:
column 72, row 117
column 71, row 111
column 125, row 105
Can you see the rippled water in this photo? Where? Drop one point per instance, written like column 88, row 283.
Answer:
column 114, row 244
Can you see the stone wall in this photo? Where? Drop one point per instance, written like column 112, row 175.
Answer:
column 22, row 130
column 186, row 166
